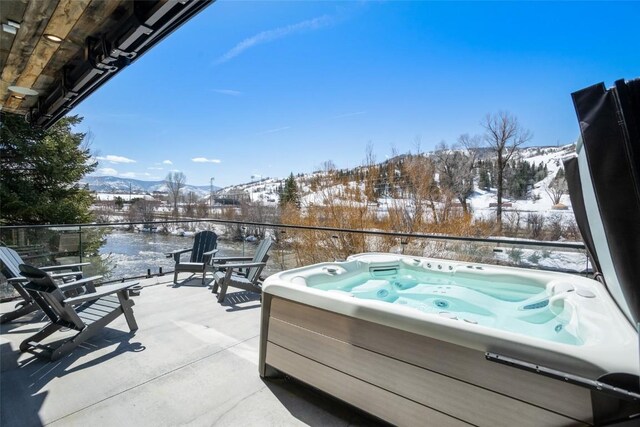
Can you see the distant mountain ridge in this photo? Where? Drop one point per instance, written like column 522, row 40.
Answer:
column 113, row 184
column 266, row 189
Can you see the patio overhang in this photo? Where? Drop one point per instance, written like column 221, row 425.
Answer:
column 55, row 53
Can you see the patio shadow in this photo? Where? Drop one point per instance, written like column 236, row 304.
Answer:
column 18, row 407
column 236, row 301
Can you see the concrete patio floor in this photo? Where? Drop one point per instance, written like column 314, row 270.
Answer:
column 192, row 361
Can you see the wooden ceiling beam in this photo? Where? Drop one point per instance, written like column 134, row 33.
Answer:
column 36, row 16
column 64, row 18
column 10, row 10
column 92, row 22
column 62, row 73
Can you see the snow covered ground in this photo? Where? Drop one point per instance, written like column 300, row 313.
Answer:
column 266, row 190
column 539, row 201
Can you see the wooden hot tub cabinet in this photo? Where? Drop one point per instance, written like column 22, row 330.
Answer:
column 409, row 379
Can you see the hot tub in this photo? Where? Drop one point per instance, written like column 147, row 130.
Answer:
column 416, row 333
column 420, row 341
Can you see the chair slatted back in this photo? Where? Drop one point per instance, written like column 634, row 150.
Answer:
column 49, row 297
column 260, row 256
column 10, row 262
column 204, row 241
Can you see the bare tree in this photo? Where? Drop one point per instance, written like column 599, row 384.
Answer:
column 456, row 167
column 328, row 166
column 202, row 209
column 503, row 135
column 371, row 173
column 175, row 182
column 419, row 192
column 142, row 210
column 557, row 188
column 191, row 202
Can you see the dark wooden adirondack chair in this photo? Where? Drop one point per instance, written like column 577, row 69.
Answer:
column 204, row 247
column 87, row 313
column 10, row 260
column 240, row 272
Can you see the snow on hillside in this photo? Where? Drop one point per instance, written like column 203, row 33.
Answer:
column 266, row 190
column 540, row 202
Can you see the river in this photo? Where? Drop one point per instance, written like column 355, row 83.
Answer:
column 129, row 254
column 126, row 254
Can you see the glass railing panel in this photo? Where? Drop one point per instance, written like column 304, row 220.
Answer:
column 134, row 250
column 541, row 256
column 39, row 246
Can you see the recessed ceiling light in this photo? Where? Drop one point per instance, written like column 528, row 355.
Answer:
column 9, row 29
column 53, row 38
column 22, row 90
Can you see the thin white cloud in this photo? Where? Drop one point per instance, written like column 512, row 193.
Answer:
column 357, row 113
column 155, row 168
column 106, row 171
column 135, row 175
column 277, row 33
column 167, row 162
column 205, row 160
column 274, row 130
column 229, row 92
column 115, row 159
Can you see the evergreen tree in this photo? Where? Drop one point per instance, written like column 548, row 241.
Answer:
column 289, row 194
column 119, row 202
column 484, row 179
column 40, row 170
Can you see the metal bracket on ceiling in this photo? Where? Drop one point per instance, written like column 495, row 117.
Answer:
column 107, row 53
column 58, row 100
column 97, row 54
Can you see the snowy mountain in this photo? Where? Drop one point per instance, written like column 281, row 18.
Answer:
column 481, row 201
column 266, row 190
column 112, row 184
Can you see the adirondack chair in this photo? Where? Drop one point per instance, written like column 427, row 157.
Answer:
column 240, row 272
column 204, row 247
column 87, row 313
column 10, row 261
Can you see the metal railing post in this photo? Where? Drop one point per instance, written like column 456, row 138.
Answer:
column 80, row 241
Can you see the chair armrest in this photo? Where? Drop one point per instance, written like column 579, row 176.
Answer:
column 239, row 266
column 224, row 259
column 176, row 254
column 63, row 266
column 102, row 292
column 77, row 283
column 20, row 279
column 65, row 274
column 208, row 256
column 231, row 266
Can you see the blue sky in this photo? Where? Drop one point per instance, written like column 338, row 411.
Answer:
column 267, row 88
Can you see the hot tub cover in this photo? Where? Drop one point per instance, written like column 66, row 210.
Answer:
column 604, row 184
